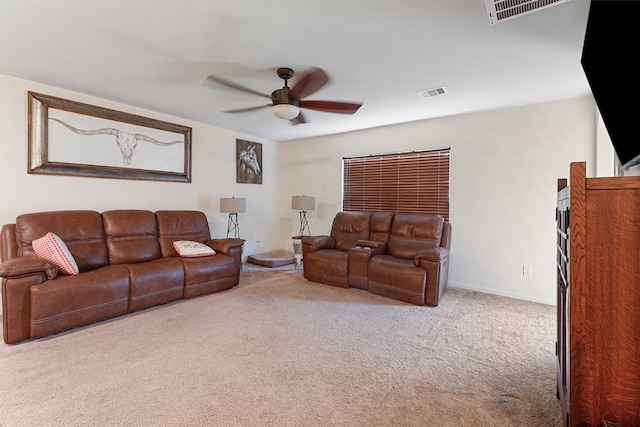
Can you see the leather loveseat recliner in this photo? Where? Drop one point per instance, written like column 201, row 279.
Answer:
column 126, row 262
column 404, row 256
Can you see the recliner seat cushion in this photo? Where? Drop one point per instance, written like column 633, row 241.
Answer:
column 71, row 301
column 155, row 282
column 397, row 278
column 208, row 274
column 328, row 266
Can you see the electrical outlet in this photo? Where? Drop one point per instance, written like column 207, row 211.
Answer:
column 527, row 271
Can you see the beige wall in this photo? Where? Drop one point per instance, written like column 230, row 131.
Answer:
column 504, row 170
column 213, row 174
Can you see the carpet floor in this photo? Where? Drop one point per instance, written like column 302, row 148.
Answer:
column 278, row 350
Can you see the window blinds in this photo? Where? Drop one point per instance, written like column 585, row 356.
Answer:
column 416, row 181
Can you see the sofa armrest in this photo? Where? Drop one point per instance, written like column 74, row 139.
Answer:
column 232, row 248
column 26, row 266
column 436, row 262
column 316, row 243
column 435, row 254
column 19, row 274
column 224, row 245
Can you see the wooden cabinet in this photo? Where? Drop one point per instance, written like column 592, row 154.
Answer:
column 598, row 278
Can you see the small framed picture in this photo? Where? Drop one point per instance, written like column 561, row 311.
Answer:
column 248, row 162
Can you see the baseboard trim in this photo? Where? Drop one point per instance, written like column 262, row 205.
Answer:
column 493, row 291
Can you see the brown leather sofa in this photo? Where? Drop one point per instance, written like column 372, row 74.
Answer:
column 126, row 262
column 404, row 256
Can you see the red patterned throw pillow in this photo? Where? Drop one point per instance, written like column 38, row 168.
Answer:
column 189, row 249
column 53, row 249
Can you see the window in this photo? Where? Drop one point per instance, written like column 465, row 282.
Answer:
column 416, row 181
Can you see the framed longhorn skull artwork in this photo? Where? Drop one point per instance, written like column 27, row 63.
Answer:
column 72, row 138
column 248, row 162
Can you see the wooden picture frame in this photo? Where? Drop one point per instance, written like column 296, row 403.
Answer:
column 72, row 138
column 248, row 162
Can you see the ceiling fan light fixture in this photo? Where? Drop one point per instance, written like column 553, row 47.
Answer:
column 286, row 111
column 287, row 102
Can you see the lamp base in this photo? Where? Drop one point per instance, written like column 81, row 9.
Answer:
column 233, row 226
column 304, row 224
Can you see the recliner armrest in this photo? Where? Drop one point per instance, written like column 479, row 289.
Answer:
column 27, row 265
column 224, row 245
column 436, row 263
column 435, row 254
column 316, row 243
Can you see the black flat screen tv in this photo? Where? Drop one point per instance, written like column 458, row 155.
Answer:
column 609, row 57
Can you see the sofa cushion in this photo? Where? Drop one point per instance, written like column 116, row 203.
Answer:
column 329, row 266
column 155, row 282
column 82, row 232
column 190, row 249
column 70, row 301
column 398, row 279
column 349, row 227
column 380, row 227
column 205, row 275
column 181, row 225
column 412, row 232
column 53, row 249
column 131, row 235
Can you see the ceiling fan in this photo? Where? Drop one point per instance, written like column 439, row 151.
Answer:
column 287, row 102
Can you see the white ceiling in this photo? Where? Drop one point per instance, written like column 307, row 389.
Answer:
column 156, row 54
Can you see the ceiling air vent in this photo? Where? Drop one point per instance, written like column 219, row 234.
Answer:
column 502, row 10
column 428, row 93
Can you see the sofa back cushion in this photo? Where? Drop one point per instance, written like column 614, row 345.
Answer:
column 412, row 232
column 81, row 230
column 349, row 227
column 132, row 236
column 181, row 225
column 380, row 227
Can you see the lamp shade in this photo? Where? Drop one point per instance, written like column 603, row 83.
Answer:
column 303, row 203
column 286, row 111
column 233, row 205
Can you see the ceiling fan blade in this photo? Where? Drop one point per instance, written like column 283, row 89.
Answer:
column 236, row 86
column 311, row 80
column 331, row 106
column 299, row 119
column 244, row 110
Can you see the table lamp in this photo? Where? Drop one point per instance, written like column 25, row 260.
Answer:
column 233, row 206
column 303, row 204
